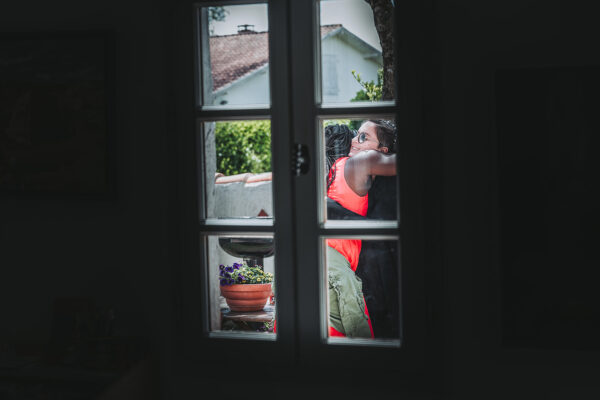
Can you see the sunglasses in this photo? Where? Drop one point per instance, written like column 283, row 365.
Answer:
column 362, row 137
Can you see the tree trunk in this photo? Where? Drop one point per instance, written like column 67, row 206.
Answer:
column 383, row 15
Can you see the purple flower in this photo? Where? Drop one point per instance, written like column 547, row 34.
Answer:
column 236, row 266
column 223, row 282
column 228, row 269
column 231, row 281
column 222, row 273
column 221, row 267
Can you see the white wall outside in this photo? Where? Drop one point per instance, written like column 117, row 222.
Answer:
column 342, row 58
column 339, row 59
column 252, row 89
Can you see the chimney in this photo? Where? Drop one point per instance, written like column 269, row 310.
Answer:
column 245, row 28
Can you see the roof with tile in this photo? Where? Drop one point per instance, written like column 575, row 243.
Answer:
column 234, row 56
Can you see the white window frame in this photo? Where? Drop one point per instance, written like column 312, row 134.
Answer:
column 295, row 114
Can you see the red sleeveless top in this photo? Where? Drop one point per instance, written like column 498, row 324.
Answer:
column 343, row 194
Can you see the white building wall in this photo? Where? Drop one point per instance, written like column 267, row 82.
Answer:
column 338, row 61
column 252, row 89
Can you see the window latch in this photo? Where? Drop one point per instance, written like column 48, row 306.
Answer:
column 300, row 159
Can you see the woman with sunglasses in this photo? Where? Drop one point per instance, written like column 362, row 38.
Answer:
column 348, row 182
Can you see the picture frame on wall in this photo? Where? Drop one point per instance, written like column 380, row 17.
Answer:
column 56, row 106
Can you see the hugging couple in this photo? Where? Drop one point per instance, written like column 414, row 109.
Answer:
column 362, row 276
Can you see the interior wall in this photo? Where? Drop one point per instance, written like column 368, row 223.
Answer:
column 477, row 38
column 113, row 251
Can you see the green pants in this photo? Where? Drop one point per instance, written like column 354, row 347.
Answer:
column 346, row 301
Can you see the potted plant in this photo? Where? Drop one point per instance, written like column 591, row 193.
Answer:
column 245, row 288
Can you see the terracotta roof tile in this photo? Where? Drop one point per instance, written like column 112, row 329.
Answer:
column 325, row 29
column 233, row 56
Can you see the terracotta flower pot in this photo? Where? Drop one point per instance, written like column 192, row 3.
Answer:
column 246, row 297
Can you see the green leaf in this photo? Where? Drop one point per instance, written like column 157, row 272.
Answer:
column 371, row 91
column 243, row 146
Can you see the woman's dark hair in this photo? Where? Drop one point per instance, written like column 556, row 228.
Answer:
column 386, row 134
column 338, row 139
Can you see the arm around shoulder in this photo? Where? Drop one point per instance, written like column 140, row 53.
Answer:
column 361, row 167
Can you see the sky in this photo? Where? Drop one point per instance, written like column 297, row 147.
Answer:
column 354, row 15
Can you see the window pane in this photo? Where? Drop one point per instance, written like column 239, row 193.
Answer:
column 357, row 60
column 240, row 271
column 236, row 67
column 351, row 190
column 237, row 158
column 361, row 292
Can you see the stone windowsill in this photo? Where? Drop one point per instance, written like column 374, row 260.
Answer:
column 244, row 178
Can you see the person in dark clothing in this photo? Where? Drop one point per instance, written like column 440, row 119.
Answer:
column 378, row 261
column 349, row 179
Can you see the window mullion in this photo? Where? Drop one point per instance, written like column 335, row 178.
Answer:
column 303, row 66
column 281, row 160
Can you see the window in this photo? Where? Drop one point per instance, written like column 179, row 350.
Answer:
column 305, row 93
column 235, row 55
column 236, row 202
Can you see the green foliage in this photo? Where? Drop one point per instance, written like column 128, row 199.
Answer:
column 355, row 124
column 336, row 122
column 217, row 14
column 249, row 275
column 371, row 91
column 243, row 146
column 243, row 274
